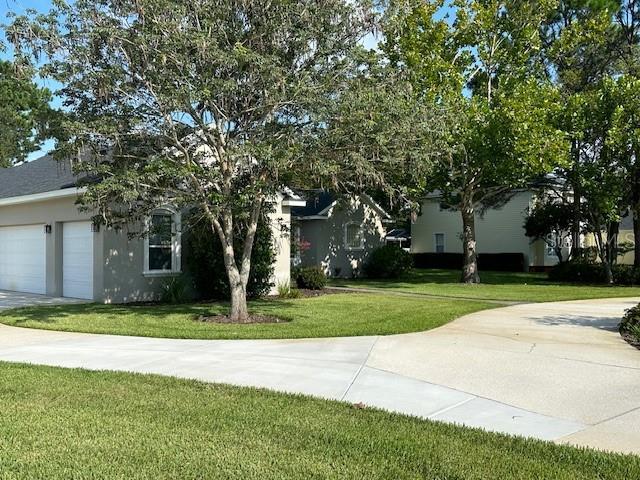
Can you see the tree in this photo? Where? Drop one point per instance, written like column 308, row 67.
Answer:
column 215, row 105
column 550, row 221
column 26, row 115
column 481, row 67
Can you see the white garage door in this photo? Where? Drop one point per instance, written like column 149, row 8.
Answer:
column 22, row 259
column 77, row 260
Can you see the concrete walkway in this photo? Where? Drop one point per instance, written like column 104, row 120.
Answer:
column 562, row 373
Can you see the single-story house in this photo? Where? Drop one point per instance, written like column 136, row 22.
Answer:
column 48, row 246
column 337, row 233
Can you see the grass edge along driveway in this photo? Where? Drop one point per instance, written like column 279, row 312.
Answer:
column 61, row 423
column 504, row 286
column 337, row 315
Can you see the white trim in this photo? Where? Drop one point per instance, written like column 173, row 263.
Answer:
column 326, row 210
column 40, row 197
column 312, row 217
column 294, row 203
column 346, row 246
column 176, row 244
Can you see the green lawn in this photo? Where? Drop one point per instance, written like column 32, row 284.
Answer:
column 59, row 424
column 326, row 316
column 526, row 287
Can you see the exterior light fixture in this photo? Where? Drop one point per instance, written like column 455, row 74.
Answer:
column 47, row 229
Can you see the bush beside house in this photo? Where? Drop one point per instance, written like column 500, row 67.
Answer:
column 310, row 278
column 389, row 261
column 206, row 265
column 580, row 271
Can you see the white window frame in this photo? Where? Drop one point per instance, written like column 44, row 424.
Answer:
column 348, row 247
column 176, row 243
column 435, row 242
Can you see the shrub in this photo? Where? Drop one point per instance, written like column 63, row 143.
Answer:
column 205, row 263
column 503, row 262
column 631, row 322
column 175, row 290
column 311, row 278
column 389, row 261
column 286, row 291
column 626, row 275
column 578, row 272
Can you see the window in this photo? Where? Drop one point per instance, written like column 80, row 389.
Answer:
column 353, row 236
column 439, row 242
column 162, row 244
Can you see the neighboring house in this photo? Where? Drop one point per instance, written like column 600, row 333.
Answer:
column 499, row 230
column 48, row 246
column 337, row 234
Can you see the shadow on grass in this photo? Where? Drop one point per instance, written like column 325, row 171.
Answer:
column 50, row 314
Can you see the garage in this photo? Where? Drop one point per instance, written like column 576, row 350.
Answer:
column 77, row 260
column 23, row 259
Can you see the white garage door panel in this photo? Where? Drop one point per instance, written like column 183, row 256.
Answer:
column 77, row 260
column 22, row 259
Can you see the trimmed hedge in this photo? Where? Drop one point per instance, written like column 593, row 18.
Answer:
column 498, row 262
column 389, row 261
column 310, row 278
column 583, row 272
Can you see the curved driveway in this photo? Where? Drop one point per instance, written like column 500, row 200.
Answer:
column 555, row 371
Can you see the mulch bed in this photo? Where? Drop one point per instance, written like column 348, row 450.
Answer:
column 253, row 319
column 631, row 340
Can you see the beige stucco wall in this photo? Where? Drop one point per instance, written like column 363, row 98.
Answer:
column 327, row 238
column 624, row 236
column 497, row 231
column 280, row 219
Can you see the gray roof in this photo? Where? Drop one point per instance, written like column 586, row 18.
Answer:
column 317, row 202
column 39, row 176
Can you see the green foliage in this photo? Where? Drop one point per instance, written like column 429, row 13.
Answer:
column 310, row 278
column 482, row 69
column 551, row 222
column 389, row 261
column 27, row 119
column 205, row 261
column 584, row 271
column 630, row 323
column 176, row 290
column 286, row 291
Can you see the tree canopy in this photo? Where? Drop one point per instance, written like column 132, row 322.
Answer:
column 26, row 115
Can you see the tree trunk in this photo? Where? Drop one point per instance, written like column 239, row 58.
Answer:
column 577, row 198
column 603, row 253
column 470, row 268
column 238, row 276
column 636, row 237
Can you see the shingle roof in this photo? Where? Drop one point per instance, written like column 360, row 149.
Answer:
column 39, row 176
column 317, row 201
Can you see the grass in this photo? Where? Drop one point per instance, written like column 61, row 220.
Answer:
column 326, row 316
column 59, row 424
column 525, row 287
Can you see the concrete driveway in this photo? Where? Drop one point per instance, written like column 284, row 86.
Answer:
column 17, row 299
column 554, row 371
